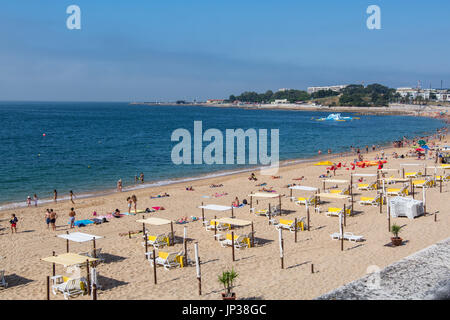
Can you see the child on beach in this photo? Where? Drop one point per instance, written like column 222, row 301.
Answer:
column 55, row 195
column 71, row 196
column 134, row 199
column 13, row 223
column 130, row 203
column 28, row 201
column 35, row 198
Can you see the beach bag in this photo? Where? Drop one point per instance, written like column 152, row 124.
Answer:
column 244, row 201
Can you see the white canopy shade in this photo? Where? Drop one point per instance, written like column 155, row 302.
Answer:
column 69, row 259
column 155, row 221
column 336, row 181
column 364, row 174
column 264, row 195
column 304, row 188
column 79, row 237
column 411, row 164
column 215, row 207
column 332, row 196
column 235, row 222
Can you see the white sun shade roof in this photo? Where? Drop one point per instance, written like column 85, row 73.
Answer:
column 155, row 221
column 215, row 207
column 235, row 222
column 264, row 195
column 332, row 196
column 364, row 174
column 79, row 237
column 336, row 181
column 304, row 188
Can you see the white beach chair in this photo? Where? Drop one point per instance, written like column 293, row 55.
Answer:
column 156, row 241
column 347, row 236
column 367, row 186
column 306, row 201
column 90, row 254
column 428, row 183
column 3, row 282
column 239, row 241
column 290, row 225
column 373, row 201
column 70, row 288
column 399, row 192
column 335, row 212
column 165, row 259
column 339, row 191
column 445, row 178
column 412, row 174
column 213, row 224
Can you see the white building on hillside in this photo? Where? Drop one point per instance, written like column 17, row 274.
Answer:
column 332, row 88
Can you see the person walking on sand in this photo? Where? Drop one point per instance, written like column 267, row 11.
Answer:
column 55, row 196
column 367, row 149
column 71, row 196
column 28, row 201
column 53, row 217
column 72, row 215
column 134, row 199
column 13, row 223
column 47, row 218
column 142, row 177
column 35, row 198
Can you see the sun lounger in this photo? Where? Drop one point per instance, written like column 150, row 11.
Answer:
column 98, row 254
column 68, row 287
column 338, row 191
column 165, row 259
column 274, row 211
column 412, row 174
column 428, row 183
column 213, row 224
column 240, row 241
column 160, row 240
column 446, row 178
column 306, row 201
column 367, row 186
column 3, row 282
column 399, row 192
column 290, row 225
column 373, row 201
column 335, row 212
column 347, row 236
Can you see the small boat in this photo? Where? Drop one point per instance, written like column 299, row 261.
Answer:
column 335, row 117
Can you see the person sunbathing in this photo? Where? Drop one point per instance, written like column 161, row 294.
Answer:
column 252, row 177
column 267, row 190
column 189, row 188
column 216, row 185
column 299, row 179
column 116, row 213
column 276, row 177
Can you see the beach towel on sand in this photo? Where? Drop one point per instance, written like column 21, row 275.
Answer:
column 82, row 223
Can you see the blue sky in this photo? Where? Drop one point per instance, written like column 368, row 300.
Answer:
column 176, row 49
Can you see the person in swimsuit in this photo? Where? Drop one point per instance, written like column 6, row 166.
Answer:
column 28, row 201
column 119, row 185
column 13, row 223
column 142, row 177
column 116, row 213
column 53, row 217
column 130, row 203
column 35, row 198
column 134, row 199
column 72, row 215
column 71, row 196
column 47, row 218
column 55, row 195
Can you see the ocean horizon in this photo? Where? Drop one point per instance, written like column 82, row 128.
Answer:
column 87, row 146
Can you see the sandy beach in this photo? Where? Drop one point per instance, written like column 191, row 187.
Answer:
column 127, row 275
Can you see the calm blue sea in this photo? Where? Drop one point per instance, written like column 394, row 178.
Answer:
column 87, row 147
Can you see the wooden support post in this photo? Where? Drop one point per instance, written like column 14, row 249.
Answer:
column 253, row 235
column 251, row 203
column 95, row 249
column 172, row 240
column 232, row 244
column 203, row 213
column 291, row 196
column 282, row 257
column 94, row 292
column 154, row 266
column 67, row 243
column 295, row 230
column 403, row 173
column 381, row 202
column 440, row 184
column 413, row 190
column 54, row 266
column 129, row 234
column 88, row 277
column 307, row 217
column 312, row 268
column 197, row 264
column 215, row 226
column 435, row 217
column 324, row 189
column 279, row 197
column 48, row 287
column 378, row 179
column 146, row 247
column 270, row 213
column 345, row 214
column 232, row 211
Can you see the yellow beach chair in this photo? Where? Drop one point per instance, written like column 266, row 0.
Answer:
column 167, row 260
column 443, row 179
column 335, row 212
column 367, row 186
column 160, row 240
column 413, row 174
column 341, row 192
column 69, row 287
column 373, row 201
column 306, row 201
column 428, row 183
column 290, row 225
column 400, row 192
column 213, row 224
column 240, row 241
